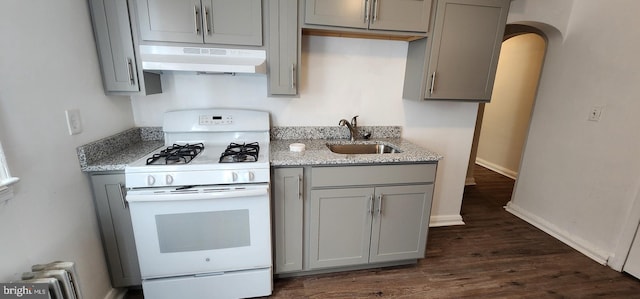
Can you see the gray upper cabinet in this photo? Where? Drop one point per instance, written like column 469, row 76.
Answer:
column 343, row 13
column 385, row 15
column 284, row 48
column 114, row 41
column 234, row 22
column 287, row 217
column 115, row 46
column 121, row 73
column 460, row 61
column 400, row 15
column 116, row 229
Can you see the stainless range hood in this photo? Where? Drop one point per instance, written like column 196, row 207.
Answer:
column 208, row 60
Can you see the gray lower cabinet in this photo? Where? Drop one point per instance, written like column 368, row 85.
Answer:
column 385, row 15
column 459, row 62
column 116, row 229
column 234, row 22
column 287, row 218
column 400, row 222
column 333, row 218
column 340, row 227
column 115, row 44
column 284, row 48
column 367, row 225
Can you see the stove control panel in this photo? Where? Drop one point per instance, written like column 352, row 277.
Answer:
column 215, row 120
column 242, row 176
column 205, row 177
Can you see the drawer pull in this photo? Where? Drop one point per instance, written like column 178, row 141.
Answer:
column 122, row 197
column 196, row 13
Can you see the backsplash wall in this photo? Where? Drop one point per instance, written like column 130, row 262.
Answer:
column 341, row 77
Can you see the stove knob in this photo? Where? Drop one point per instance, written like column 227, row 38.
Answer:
column 251, row 176
column 169, row 179
column 151, row 180
column 234, row 176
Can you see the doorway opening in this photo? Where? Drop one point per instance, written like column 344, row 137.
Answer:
column 502, row 125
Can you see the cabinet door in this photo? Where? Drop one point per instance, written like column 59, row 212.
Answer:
column 170, row 20
column 401, row 15
column 344, row 13
column 467, row 37
column 287, row 215
column 632, row 265
column 284, row 49
column 115, row 45
column 116, row 229
column 340, row 227
column 400, row 222
column 235, row 22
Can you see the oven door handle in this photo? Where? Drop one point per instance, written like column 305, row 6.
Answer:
column 203, row 195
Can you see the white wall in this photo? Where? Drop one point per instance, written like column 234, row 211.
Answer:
column 579, row 179
column 506, row 118
column 48, row 64
column 342, row 77
column 544, row 14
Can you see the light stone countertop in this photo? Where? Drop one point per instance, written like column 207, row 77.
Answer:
column 115, row 152
column 317, row 153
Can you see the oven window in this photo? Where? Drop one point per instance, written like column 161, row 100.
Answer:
column 203, row 230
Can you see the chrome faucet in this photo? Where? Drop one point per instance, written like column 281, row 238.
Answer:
column 353, row 127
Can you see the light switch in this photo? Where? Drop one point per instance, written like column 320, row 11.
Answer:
column 74, row 124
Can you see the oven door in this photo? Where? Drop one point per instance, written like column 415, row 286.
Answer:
column 201, row 231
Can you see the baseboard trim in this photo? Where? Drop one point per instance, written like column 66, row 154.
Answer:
column 497, row 168
column 470, row 181
column 445, row 220
column 582, row 246
column 116, row 294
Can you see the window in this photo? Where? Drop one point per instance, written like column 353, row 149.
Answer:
column 6, row 180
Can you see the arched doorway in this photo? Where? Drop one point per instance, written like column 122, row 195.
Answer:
column 502, row 125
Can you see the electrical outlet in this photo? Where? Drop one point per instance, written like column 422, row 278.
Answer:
column 74, row 124
column 595, row 113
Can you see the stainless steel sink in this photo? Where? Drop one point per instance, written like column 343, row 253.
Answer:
column 362, row 149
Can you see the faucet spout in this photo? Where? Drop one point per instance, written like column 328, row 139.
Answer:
column 353, row 127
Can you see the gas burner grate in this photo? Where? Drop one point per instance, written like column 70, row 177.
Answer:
column 176, row 154
column 246, row 152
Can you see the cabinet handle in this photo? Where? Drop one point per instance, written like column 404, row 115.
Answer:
column 293, row 76
column 124, row 202
column 366, row 11
column 371, row 205
column 206, row 21
column 379, row 205
column 376, row 5
column 300, row 187
column 132, row 79
column 433, row 82
column 196, row 13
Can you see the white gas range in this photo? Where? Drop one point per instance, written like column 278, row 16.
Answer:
column 200, row 207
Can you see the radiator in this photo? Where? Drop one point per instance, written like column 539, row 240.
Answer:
column 55, row 292
column 61, row 277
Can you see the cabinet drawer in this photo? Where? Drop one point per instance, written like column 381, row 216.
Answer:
column 372, row 175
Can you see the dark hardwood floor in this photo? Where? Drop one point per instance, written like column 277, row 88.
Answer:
column 495, row 255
